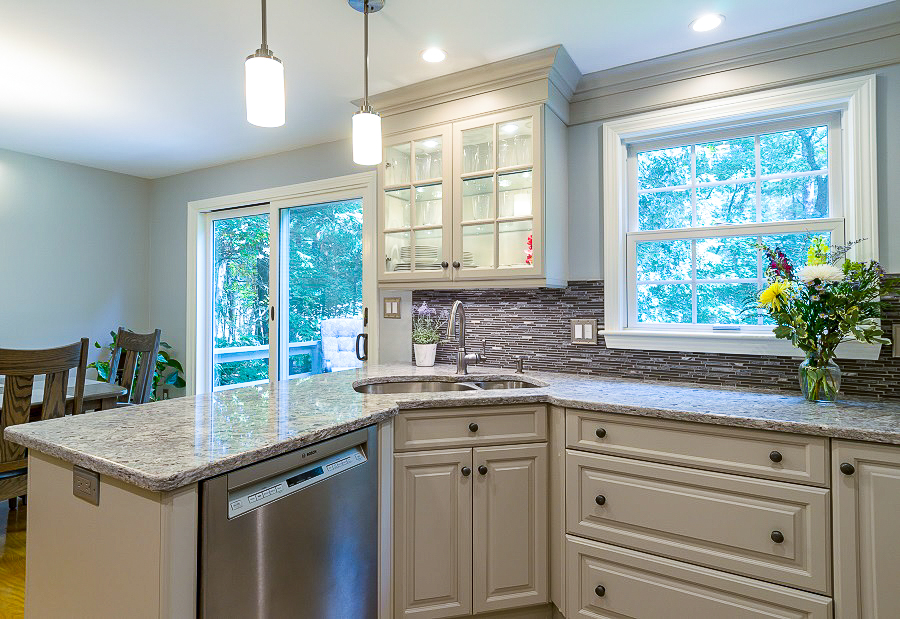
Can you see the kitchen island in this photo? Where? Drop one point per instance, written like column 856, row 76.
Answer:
column 135, row 554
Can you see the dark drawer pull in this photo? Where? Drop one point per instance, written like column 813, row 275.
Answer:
column 466, row 471
column 777, row 537
column 601, row 433
column 600, row 500
column 600, row 591
column 847, row 468
column 473, row 427
column 482, row 469
column 775, row 456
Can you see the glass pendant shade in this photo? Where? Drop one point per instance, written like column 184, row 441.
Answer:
column 265, row 90
column 366, row 138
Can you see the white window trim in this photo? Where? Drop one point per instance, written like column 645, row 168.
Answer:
column 361, row 185
column 855, row 96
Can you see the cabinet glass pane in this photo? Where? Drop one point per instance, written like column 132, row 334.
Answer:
column 396, row 209
column 428, row 250
column 428, row 205
column 478, row 199
column 429, row 158
column 478, row 246
column 515, row 143
column 515, row 243
column 515, row 194
column 396, row 165
column 478, row 149
column 397, row 245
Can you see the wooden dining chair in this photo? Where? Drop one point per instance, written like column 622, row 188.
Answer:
column 133, row 363
column 19, row 368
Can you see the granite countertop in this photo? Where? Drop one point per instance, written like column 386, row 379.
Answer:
column 162, row 446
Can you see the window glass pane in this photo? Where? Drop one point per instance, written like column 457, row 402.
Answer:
column 396, row 208
column 666, row 167
column 515, row 194
column 515, row 243
column 794, row 198
column 429, row 158
column 794, row 246
column 664, row 303
column 733, row 257
column 721, row 161
column 664, row 260
column 723, row 304
column 726, row 204
column 478, row 198
column 478, row 246
column 515, row 145
column 799, row 150
column 664, row 209
column 429, row 205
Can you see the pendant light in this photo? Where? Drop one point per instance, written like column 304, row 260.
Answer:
column 265, row 84
column 366, row 123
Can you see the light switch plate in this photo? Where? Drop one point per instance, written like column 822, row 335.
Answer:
column 392, row 307
column 584, row 330
column 895, row 341
column 86, row 485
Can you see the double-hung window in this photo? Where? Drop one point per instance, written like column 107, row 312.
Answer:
column 690, row 192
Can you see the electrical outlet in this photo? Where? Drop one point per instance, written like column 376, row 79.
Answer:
column 165, row 394
column 392, row 307
column 584, row 330
column 86, row 485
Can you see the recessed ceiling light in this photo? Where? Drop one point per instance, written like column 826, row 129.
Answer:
column 430, row 143
column 509, row 128
column 434, row 54
column 706, row 22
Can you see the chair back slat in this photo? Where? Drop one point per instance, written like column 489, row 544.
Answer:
column 19, row 367
column 133, row 363
column 55, row 387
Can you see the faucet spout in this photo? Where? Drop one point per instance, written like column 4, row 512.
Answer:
column 458, row 317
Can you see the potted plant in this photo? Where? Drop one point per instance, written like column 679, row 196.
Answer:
column 826, row 302
column 427, row 331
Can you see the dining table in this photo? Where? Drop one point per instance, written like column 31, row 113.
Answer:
column 98, row 395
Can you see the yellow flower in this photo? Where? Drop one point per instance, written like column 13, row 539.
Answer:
column 774, row 295
column 818, row 251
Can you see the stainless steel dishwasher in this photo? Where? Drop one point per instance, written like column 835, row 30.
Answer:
column 294, row 536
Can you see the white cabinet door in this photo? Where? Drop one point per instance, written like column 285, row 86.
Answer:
column 433, row 533
column 866, row 487
column 510, row 526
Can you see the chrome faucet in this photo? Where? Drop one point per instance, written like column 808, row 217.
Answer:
column 463, row 359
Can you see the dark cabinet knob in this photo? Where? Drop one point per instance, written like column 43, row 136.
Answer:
column 775, row 456
column 777, row 537
column 847, row 468
column 600, row 500
column 482, row 469
column 601, row 433
column 473, row 427
column 445, row 264
column 600, row 591
column 456, row 264
column 466, row 471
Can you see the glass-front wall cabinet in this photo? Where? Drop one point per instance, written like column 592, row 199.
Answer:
column 416, row 207
column 464, row 201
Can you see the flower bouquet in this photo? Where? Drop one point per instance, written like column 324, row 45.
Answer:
column 826, row 302
column 427, row 331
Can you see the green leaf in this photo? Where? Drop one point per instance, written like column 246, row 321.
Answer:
column 174, row 363
column 165, row 345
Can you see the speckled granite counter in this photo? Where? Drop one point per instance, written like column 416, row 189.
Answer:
column 165, row 445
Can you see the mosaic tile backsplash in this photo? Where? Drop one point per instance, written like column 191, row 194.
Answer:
column 536, row 323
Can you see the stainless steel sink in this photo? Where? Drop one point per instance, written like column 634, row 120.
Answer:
column 414, row 386
column 427, row 386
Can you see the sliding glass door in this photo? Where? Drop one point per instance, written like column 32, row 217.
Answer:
column 286, row 291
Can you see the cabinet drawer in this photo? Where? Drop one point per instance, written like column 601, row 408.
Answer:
column 640, row 586
column 714, row 519
column 801, row 459
column 466, row 427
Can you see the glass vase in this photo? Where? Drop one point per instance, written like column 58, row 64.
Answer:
column 820, row 378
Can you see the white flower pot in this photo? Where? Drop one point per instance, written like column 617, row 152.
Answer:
column 425, row 354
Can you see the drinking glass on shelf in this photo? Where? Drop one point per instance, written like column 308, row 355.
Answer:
column 523, row 149
column 483, row 156
column 423, row 166
column 481, row 206
column 436, row 166
column 470, row 153
column 507, row 153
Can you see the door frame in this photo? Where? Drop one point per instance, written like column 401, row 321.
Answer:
column 198, row 352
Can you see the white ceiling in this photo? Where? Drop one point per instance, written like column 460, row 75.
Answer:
column 155, row 87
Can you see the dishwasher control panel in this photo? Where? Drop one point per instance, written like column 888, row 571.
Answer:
column 245, row 499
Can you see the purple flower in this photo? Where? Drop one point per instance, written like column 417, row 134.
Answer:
column 424, row 310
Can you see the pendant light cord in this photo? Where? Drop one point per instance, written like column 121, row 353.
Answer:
column 365, row 53
column 264, row 47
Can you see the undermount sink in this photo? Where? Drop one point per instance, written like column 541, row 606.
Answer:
column 427, row 386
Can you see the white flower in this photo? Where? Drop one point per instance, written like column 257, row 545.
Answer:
column 821, row 272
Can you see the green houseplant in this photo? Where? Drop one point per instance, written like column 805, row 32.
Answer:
column 168, row 368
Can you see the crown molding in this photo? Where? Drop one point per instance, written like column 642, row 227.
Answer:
column 552, row 64
column 857, row 41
